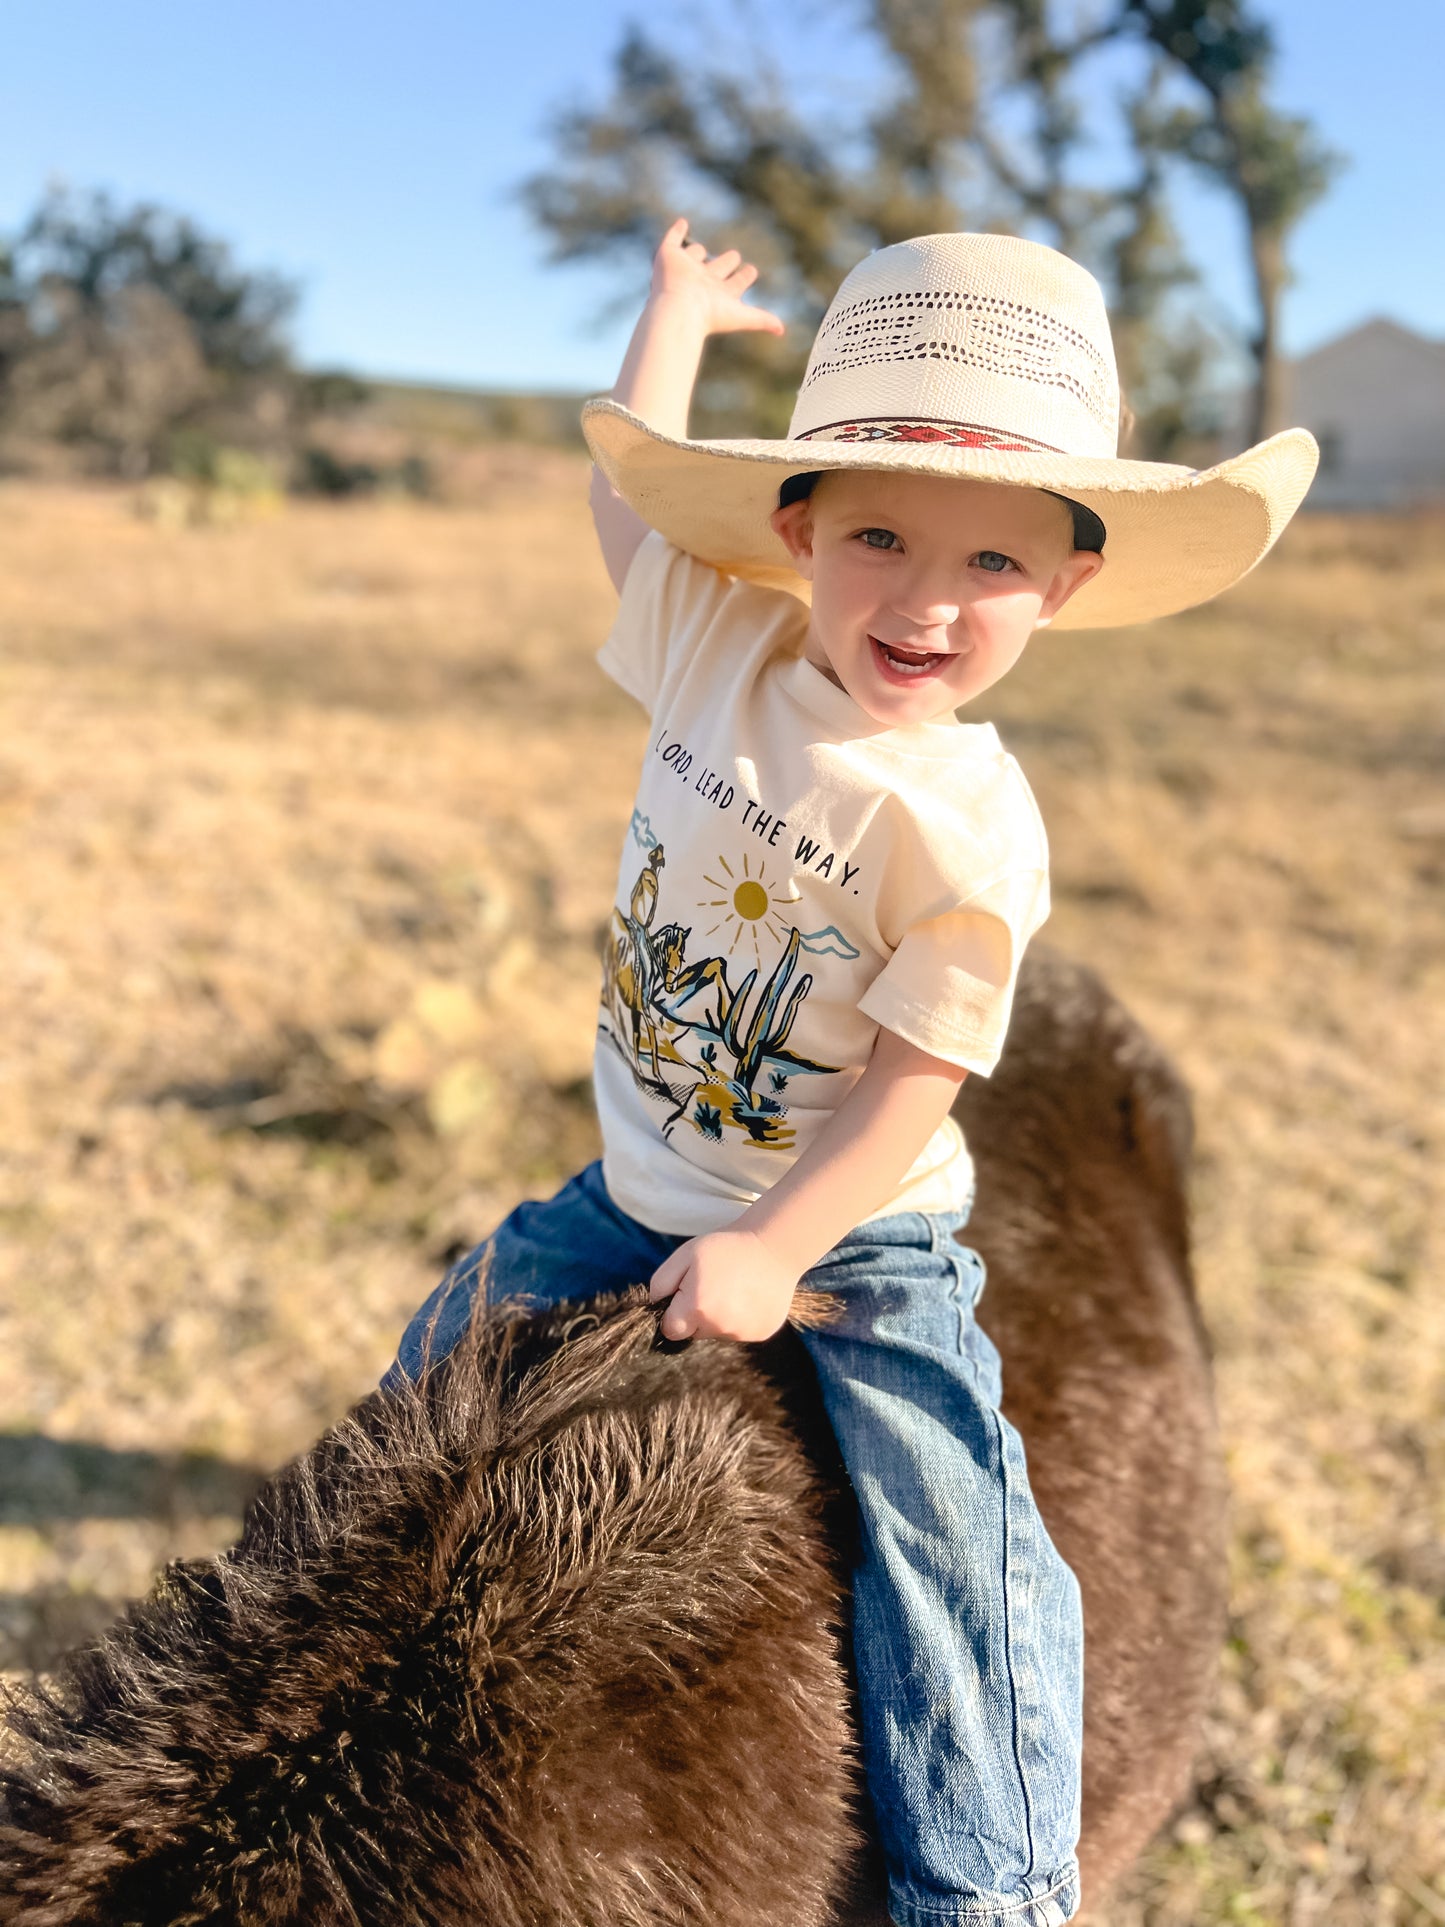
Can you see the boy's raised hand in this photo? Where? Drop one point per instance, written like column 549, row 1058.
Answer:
column 691, row 299
column 726, row 1284
column 681, row 269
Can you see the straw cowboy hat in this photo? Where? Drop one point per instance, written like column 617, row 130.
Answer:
column 972, row 355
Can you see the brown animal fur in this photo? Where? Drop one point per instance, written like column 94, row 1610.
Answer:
column 554, row 1641
column 1082, row 1140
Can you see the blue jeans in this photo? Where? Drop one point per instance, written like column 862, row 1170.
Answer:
column 967, row 1632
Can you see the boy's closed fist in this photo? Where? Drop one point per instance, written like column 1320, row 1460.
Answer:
column 726, row 1284
column 681, row 270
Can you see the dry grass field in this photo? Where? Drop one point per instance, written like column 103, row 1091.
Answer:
column 309, row 827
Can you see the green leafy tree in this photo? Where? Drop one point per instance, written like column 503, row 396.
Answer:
column 977, row 122
column 1172, row 360
column 122, row 327
column 15, row 334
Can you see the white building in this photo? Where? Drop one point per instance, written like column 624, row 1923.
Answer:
column 1375, row 401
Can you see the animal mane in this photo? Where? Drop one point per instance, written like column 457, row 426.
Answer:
column 550, row 1638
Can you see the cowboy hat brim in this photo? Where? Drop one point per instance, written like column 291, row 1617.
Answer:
column 1176, row 536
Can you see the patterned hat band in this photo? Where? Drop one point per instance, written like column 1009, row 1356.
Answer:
column 925, row 429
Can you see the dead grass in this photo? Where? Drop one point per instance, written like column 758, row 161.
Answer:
column 309, row 826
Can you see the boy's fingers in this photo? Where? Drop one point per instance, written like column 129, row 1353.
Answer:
column 745, row 275
column 679, row 1320
column 726, row 262
column 668, row 1276
column 761, row 318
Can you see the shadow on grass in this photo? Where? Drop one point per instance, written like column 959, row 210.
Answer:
column 38, row 1628
column 47, row 1482
column 44, row 1481
column 298, row 1092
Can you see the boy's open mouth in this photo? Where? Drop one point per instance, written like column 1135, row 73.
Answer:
column 900, row 664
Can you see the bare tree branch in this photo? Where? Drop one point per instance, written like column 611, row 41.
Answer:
column 978, row 122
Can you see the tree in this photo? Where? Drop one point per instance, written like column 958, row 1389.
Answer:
column 120, row 327
column 749, row 162
column 1274, row 164
column 978, row 123
column 1122, row 229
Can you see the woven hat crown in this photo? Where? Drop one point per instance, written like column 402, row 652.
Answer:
column 968, row 340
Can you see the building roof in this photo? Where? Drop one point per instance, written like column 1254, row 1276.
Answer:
column 1379, row 331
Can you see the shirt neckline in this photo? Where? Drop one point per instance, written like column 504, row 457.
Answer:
column 810, row 688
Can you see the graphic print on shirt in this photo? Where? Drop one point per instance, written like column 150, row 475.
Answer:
column 715, row 1054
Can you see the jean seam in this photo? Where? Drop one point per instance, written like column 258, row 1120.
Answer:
column 963, row 1308
column 1016, row 1736
column 1062, row 1883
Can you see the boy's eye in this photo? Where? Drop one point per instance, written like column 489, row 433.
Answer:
column 991, row 560
column 886, row 538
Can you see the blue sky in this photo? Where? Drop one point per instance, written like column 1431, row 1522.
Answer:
column 372, row 151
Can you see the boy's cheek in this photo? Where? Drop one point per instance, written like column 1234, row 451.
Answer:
column 1004, row 626
column 988, row 662
column 833, row 615
column 842, row 588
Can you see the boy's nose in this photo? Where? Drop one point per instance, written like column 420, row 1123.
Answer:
column 924, row 613
column 929, row 601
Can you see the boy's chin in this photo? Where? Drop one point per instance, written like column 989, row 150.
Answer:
column 933, row 702
column 894, row 715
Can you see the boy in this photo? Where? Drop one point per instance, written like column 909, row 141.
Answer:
column 825, row 893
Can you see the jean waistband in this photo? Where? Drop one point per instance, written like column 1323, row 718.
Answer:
column 925, row 1228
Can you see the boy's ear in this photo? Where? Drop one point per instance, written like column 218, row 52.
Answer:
column 1081, row 567
column 794, row 526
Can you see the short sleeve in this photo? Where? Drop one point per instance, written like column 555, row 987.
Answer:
column 949, row 985
column 668, row 599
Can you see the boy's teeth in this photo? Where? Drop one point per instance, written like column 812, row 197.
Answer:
column 914, row 662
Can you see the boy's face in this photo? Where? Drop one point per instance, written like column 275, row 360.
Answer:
column 926, row 588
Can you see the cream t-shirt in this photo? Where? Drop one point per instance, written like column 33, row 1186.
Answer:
column 795, row 875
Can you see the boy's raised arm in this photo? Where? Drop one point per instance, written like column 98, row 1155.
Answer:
column 692, row 297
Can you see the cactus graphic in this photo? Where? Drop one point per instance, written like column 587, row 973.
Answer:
column 658, row 1007
column 750, row 1039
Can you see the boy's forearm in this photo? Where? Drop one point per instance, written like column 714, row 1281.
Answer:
column 660, row 366
column 656, row 381
column 858, row 1157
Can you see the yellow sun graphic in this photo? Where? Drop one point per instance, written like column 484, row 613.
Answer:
column 745, row 902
